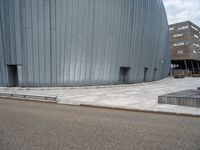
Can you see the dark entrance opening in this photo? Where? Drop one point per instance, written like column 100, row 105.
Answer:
column 145, row 74
column 154, row 74
column 124, row 75
column 12, row 75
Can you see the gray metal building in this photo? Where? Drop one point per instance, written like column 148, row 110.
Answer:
column 82, row 42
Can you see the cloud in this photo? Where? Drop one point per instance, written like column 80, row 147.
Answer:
column 183, row 10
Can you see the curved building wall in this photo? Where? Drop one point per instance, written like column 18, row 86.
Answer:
column 82, row 42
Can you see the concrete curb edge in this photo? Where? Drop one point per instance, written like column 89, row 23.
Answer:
column 108, row 107
column 139, row 110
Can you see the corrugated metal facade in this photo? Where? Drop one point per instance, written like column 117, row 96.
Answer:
column 82, row 42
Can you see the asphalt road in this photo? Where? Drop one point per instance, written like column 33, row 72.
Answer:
column 41, row 126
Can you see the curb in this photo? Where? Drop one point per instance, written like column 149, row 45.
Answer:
column 106, row 107
column 143, row 111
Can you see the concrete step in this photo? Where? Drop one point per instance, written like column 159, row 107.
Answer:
column 41, row 98
column 189, row 98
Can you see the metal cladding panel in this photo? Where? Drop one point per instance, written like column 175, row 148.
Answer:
column 83, row 42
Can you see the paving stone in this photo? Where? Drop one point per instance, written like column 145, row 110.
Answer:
column 141, row 96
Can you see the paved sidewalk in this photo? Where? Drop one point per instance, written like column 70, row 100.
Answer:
column 141, row 96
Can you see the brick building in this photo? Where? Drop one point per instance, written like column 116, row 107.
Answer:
column 185, row 46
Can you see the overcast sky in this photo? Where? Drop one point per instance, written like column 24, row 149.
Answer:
column 183, row 10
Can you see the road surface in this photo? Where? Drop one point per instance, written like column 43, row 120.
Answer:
column 26, row 125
